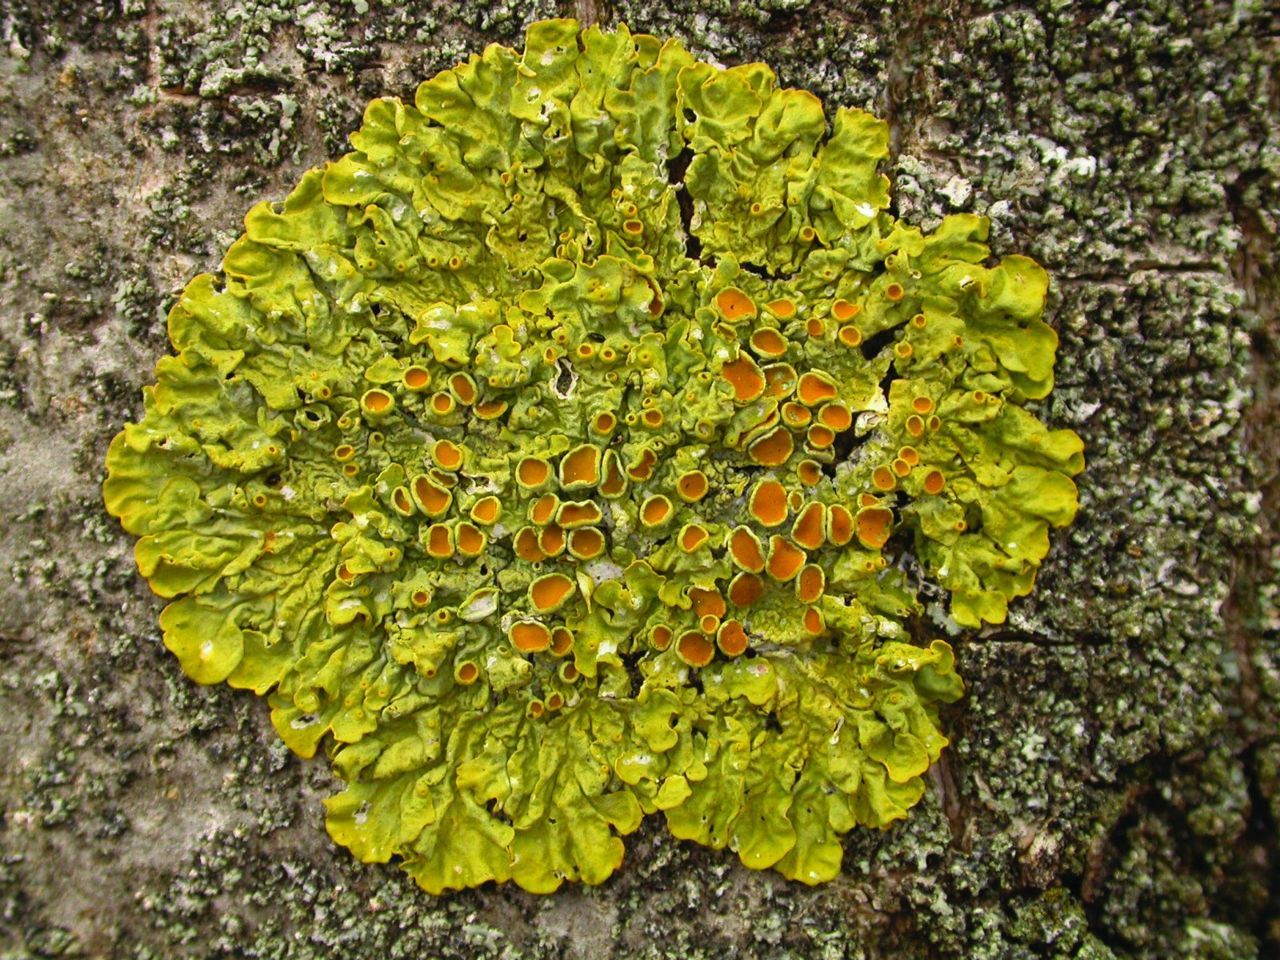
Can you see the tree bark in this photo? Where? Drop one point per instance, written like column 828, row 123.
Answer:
column 1113, row 787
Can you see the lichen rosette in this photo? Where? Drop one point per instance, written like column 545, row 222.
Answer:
column 574, row 449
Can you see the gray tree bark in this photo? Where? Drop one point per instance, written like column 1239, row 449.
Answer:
column 1114, row 785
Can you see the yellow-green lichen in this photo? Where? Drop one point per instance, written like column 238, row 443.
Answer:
column 551, row 453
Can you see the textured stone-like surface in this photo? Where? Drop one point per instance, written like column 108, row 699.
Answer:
column 1114, row 786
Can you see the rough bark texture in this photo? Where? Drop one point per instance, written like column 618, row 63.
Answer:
column 1114, row 785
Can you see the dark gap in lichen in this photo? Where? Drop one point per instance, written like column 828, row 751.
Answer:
column 920, row 631
column 695, row 681
column 898, row 547
column 412, row 419
column 692, row 245
column 926, row 590
column 845, row 443
column 771, row 722
column 872, row 346
column 886, row 381
column 972, row 518
column 677, row 166
column 632, row 663
column 495, row 810
column 757, row 270
column 564, row 378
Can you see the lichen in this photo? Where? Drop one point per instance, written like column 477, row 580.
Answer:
column 578, row 448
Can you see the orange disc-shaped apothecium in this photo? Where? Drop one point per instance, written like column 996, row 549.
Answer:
column 745, row 378
column 735, row 305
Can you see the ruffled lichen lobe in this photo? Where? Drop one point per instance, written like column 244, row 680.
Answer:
column 573, row 450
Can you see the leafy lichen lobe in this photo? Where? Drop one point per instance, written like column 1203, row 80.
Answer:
column 571, row 451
